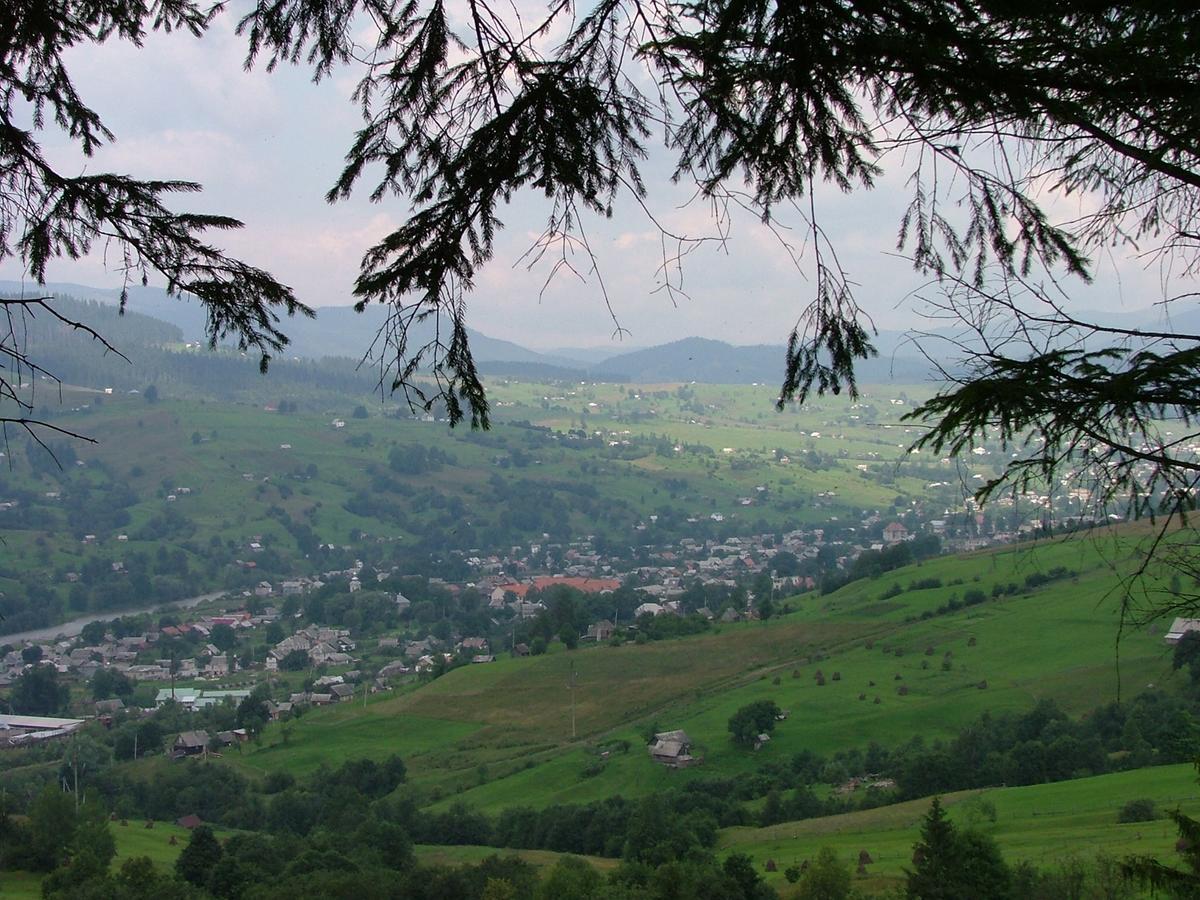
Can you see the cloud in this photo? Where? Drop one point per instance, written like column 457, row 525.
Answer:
column 267, row 147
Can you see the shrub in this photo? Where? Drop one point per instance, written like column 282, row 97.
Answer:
column 1140, row 810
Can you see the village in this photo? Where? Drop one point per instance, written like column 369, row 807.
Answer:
column 669, row 581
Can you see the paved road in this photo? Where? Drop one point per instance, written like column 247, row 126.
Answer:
column 75, row 626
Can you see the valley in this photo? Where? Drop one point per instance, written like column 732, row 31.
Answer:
column 516, row 613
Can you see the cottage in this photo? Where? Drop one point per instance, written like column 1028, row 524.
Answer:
column 600, row 631
column 109, row 707
column 190, row 743
column 673, row 749
column 394, row 669
column 1179, row 628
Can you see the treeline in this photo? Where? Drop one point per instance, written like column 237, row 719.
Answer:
column 873, row 563
column 74, row 357
column 350, row 830
column 1045, row 745
column 372, row 858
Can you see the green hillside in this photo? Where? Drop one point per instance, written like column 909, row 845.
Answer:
column 647, row 469
column 497, row 735
column 1046, row 825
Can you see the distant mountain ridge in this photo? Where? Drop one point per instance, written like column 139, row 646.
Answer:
column 342, row 332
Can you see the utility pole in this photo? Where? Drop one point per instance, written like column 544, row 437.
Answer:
column 571, row 687
column 75, row 770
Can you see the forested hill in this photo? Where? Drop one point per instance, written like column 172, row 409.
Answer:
column 336, row 330
column 147, row 351
column 339, row 331
column 716, row 362
column 43, row 329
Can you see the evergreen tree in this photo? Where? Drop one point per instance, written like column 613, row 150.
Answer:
column 51, row 829
column 200, row 857
column 953, row 865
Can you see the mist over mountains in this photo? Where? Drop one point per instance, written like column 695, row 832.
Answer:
column 339, row 331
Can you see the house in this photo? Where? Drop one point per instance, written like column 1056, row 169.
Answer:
column 394, row 669
column 673, row 749
column 190, row 743
column 1179, row 628
column 600, row 631
column 278, row 710
column 108, row 707
column 342, row 692
column 894, row 533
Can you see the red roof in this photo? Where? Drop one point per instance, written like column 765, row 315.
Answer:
column 541, row 582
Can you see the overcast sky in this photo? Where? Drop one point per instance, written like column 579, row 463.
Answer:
column 267, row 146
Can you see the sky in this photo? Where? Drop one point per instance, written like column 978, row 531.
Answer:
column 267, row 146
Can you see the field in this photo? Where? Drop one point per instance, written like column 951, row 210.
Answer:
column 721, row 456
column 132, row 839
column 1044, row 824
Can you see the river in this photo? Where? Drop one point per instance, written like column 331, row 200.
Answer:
column 75, row 626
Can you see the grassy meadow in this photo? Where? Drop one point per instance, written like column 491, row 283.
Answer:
column 1042, row 824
